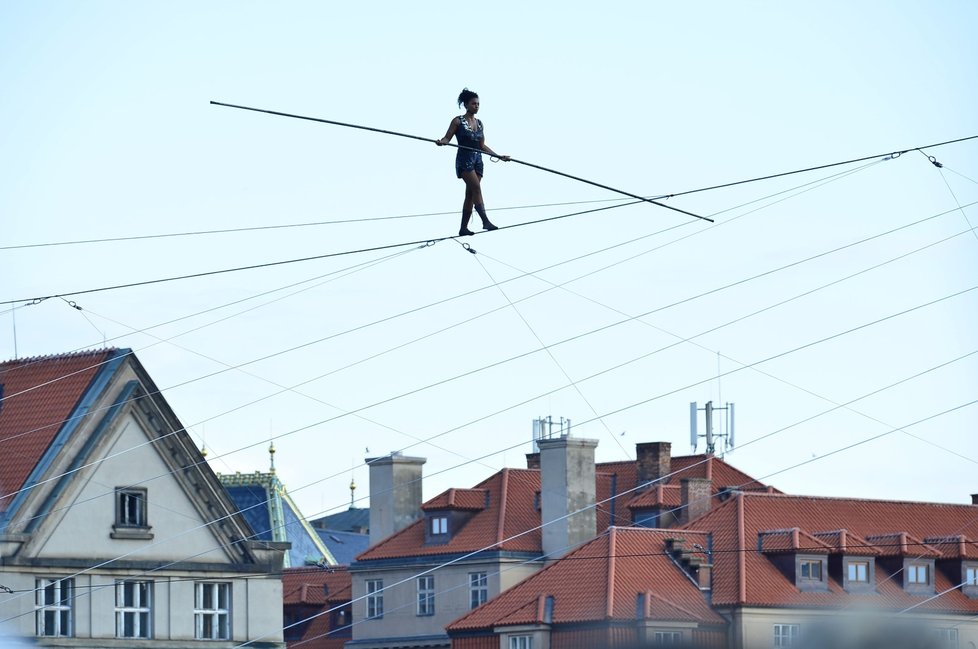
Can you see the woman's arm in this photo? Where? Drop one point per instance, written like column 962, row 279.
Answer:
column 485, row 147
column 450, row 134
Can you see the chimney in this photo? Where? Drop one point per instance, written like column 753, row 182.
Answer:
column 696, row 496
column 566, row 486
column 653, row 460
column 974, row 499
column 532, row 460
column 395, row 494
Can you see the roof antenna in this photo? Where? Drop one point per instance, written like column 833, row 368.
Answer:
column 13, row 319
column 711, row 438
column 271, row 457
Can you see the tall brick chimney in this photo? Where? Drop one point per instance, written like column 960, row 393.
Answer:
column 395, row 494
column 653, row 460
column 696, row 496
column 566, row 486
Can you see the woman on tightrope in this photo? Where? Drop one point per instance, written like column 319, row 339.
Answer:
column 469, row 132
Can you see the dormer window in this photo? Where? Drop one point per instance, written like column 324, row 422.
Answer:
column 811, row 572
column 857, row 572
column 918, row 576
column 811, row 569
column 439, row 525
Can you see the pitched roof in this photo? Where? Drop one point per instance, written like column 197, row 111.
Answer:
column 505, row 508
column 344, row 546
column 39, row 396
column 506, row 522
column 602, row 580
column 354, row 519
column 742, row 575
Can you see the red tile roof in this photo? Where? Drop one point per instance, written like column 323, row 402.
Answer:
column 789, row 540
column 901, row 544
column 38, row 395
column 509, row 520
column 956, row 546
column 744, row 576
column 304, row 590
column 458, row 499
column 845, row 542
column 316, row 586
column 602, row 580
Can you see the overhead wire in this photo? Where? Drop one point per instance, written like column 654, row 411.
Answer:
column 809, row 186
column 516, row 357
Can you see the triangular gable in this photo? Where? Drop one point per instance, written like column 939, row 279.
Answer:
column 128, row 438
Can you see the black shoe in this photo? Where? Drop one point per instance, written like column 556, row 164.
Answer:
column 488, row 226
column 465, row 232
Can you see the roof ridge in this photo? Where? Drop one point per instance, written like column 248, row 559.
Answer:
column 765, row 494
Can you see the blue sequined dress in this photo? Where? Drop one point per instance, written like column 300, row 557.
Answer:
column 466, row 160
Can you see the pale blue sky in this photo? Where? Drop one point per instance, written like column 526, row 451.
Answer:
column 107, row 132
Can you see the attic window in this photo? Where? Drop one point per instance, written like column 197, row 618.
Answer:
column 858, row 572
column 970, row 576
column 131, row 518
column 918, row 576
column 811, row 573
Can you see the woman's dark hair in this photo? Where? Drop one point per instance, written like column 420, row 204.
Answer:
column 465, row 96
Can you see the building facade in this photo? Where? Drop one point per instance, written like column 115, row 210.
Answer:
column 114, row 531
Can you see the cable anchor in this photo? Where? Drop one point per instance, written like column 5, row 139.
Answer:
column 469, row 248
column 934, row 161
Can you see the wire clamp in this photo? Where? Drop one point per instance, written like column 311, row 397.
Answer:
column 427, row 244
column 893, row 156
column 469, row 248
column 934, row 161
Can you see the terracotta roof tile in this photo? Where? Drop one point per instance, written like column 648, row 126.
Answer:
column 38, row 395
column 845, row 542
column 458, row 499
column 789, row 540
column 901, row 544
column 602, row 580
column 955, row 546
column 736, row 558
column 315, row 586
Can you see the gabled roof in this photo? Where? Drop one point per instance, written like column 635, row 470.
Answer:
column 38, row 397
column 458, row 499
column 604, row 579
column 845, row 542
column 274, row 516
column 954, row 546
column 744, row 576
column 789, row 540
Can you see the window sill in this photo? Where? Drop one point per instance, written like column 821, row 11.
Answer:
column 131, row 533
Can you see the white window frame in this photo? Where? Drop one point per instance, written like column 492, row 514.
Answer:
column 439, row 525
column 138, row 611
column 375, row 599
column 949, row 638
column 59, row 609
column 667, row 638
column 970, row 576
column 426, row 595
column 914, row 571
column 213, row 618
column 478, row 589
column 521, row 642
column 853, row 566
column 786, row 635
